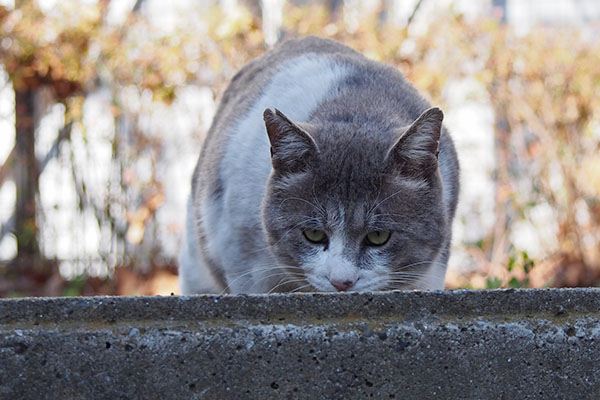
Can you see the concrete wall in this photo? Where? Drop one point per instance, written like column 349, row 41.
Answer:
column 457, row 344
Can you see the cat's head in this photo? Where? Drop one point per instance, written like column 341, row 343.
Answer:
column 359, row 213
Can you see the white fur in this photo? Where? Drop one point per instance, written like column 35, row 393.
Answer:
column 299, row 86
column 330, row 265
column 193, row 275
column 434, row 277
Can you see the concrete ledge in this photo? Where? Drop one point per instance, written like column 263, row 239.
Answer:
column 455, row 344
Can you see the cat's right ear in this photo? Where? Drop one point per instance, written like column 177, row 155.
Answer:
column 292, row 148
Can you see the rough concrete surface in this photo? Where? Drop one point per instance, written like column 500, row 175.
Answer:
column 504, row 344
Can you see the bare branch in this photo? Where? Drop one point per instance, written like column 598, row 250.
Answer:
column 136, row 8
column 6, row 168
column 7, row 227
column 63, row 134
column 414, row 12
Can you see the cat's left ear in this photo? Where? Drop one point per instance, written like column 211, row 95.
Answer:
column 292, row 147
column 415, row 153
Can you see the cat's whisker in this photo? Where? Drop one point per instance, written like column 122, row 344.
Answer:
column 316, row 200
column 412, row 265
column 426, row 274
column 409, row 279
column 387, row 221
column 411, row 275
column 282, row 236
column 376, row 198
column 301, row 288
column 406, row 279
column 386, row 215
column 407, row 275
column 226, row 288
column 288, row 216
column 284, row 277
column 319, row 209
column 287, row 282
column 283, row 270
column 265, row 268
column 282, row 274
column 411, row 270
column 418, row 263
column 258, row 271
column 383, row 201
column 399, row 287
column 413, row 278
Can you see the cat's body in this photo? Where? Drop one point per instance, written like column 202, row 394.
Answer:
column 345, row 197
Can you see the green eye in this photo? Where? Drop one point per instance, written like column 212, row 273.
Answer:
column 315, row 235
column 378, row 238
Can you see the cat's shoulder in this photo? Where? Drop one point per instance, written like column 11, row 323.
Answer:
column 314, row 44
column 293, row 54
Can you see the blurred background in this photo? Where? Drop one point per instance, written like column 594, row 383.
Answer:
column 104, row 104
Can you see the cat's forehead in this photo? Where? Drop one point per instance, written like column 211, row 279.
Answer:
column 348, row 172
column 346, row 216
column 354, row 205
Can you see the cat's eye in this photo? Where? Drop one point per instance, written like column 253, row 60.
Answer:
column 315, row 235
column 377, row 238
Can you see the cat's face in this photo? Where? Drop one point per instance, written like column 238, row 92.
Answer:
column 365, row 216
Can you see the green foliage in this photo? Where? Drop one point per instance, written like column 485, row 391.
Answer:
column 493, row 283
column 74, row 287
column 519, row 267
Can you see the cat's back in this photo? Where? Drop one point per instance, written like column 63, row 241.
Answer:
column 293, row 58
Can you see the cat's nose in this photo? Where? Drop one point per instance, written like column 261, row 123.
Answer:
column 342, row 286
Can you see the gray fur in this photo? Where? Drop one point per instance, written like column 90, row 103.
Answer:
column 347, row 147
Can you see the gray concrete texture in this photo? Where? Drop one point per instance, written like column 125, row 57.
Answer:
column 501, row 344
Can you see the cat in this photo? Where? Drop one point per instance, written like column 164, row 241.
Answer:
column 322, row 171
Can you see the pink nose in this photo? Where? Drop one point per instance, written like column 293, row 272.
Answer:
column 342, row 286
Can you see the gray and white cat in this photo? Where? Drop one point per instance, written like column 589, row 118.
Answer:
column 353, row 188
